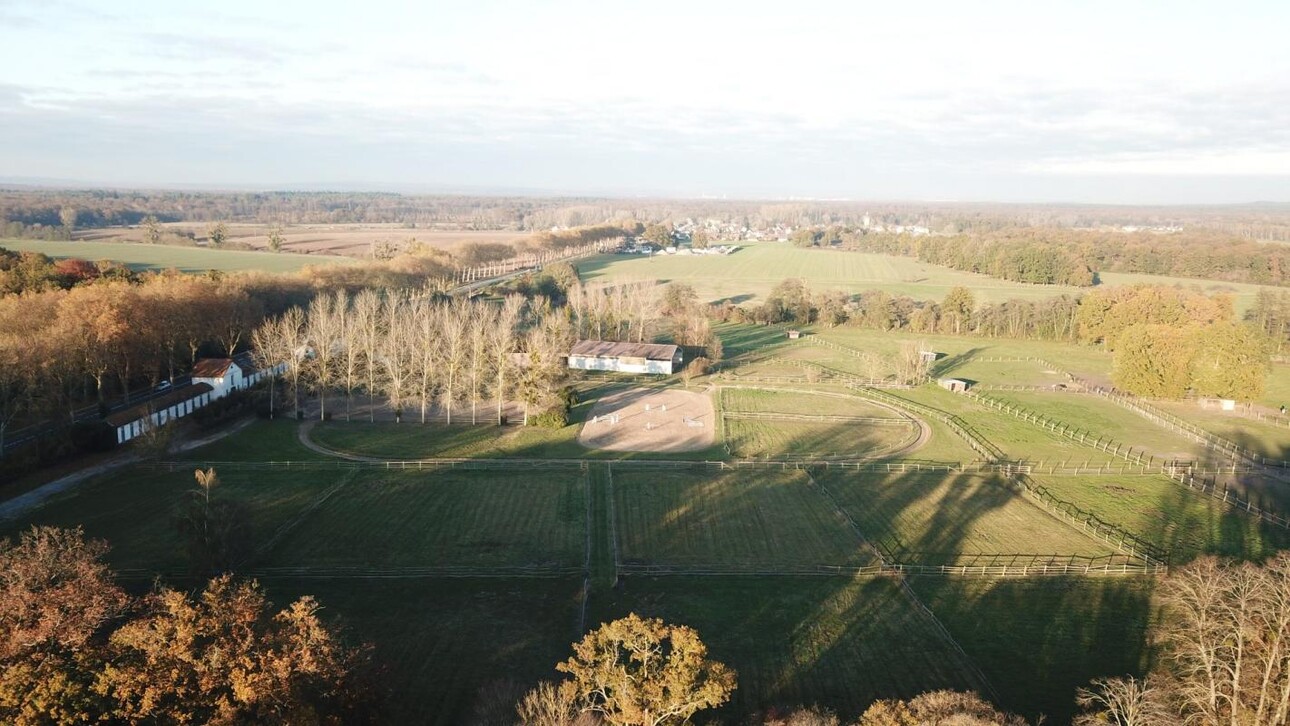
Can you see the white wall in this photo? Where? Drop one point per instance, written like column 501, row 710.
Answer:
column 592, row 363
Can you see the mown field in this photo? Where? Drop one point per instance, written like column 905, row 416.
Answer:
column 837, row 642
column 752, row 520
column 799, row 401
column 939, row 518
column 1092, row 413
column 1018, row 439
column 164, row 257
column 456, row 518
column 1181, row 522
column 1039, row 639
column 1262, row 437
column 750, row 273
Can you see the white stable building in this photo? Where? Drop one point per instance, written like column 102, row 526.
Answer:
column 603, row 355
column 225, row 375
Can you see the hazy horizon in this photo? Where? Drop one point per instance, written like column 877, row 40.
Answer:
column 1088, row 103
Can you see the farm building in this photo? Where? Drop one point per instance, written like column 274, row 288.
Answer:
column 225, row 375
column 603, row 355
column 133, row 422
column 954, row 384
column 928, row 356
column 794, row 334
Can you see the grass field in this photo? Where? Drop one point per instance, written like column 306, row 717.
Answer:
column 1180, row 522
column 471, row 519
column 1038, row 640
column 799, row 401
column 751, row 272
column 786, row 439
column 1017, row 438
column 1105, row 418
column 832, row 641
column 450, row 645
column 934, row 518
column 134, row 509
column 163, row 257
column 1006, row 373
column 1260, row 437
column 744, row 519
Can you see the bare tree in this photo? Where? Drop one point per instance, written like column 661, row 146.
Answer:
column 452, row 348
column 350, row 359
column 480, row 320
column 1228, row 641
column 1122, row 702
column 395, row 353
column 502, row 345
column 368, row 318
column 325, row 333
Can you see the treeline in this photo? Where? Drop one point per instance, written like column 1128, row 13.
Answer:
column 77, row 648
column 1271, row 314
column 1167, row 341
column 1073, row 257
column 427, row 356
column 62, row 348
column 422, row 354
column 792, row 301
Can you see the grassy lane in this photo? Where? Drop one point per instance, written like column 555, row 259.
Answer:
column 1261, row 437
column 1017, row 438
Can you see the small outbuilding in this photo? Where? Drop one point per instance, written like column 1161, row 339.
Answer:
column 929, row 356
column 603, row 355
column 958, row 385
column 794, row 334
column 225, row 375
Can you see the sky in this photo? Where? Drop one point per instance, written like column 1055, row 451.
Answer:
column 1099, row 102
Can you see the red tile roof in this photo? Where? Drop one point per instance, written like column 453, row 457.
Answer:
column 211, row 367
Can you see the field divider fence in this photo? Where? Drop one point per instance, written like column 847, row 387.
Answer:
column 1080, row 436
column 1090, row 524
column 960, row 427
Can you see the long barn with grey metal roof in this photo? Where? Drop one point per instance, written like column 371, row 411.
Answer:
column 604, row 355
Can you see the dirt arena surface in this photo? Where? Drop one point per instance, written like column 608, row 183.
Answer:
column 676, row 420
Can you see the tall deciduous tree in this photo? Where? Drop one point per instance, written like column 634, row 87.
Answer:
column 644, row 672
column 957, row 307
column 56, row 599
column 225, row 657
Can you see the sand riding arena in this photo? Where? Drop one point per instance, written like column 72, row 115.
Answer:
column 648, row 419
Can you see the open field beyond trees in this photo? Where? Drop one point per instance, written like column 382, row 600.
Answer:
column 163, row 257
column 751, row 272
column 346, row 240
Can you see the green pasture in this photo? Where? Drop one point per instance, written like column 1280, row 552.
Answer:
column 460, row 518
column 165, row 257
column 450, row 648
column 1017, row 438
column 1006, row 373
column 837, row 642
column 1261, row 437
column 1181, row 522
column 750, row 519
column 750, row 273
column 780, row 439
column 935, row 518
column 1104, row 418
column 134, row 509
column 800, row 401
column 1040, row 639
